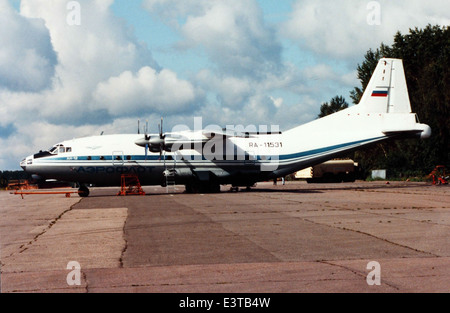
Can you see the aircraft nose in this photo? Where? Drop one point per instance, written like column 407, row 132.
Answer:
column 25, row 162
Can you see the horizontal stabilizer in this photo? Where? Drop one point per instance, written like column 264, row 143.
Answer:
column 422, row 130
column 391, row 133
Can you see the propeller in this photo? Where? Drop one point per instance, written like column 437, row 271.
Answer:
column 158, row 142
column 155, row 143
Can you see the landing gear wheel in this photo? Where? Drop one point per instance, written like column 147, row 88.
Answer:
column 83, row 191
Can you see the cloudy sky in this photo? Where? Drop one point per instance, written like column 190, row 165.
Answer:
column 77, row 68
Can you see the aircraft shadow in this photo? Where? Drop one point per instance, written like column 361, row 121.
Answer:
column 288, row 189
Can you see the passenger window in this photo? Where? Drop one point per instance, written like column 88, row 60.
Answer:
column 68, row 149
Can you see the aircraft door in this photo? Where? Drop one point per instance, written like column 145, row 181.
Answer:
column 117, row 158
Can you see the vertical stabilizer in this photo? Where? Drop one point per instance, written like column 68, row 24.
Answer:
column 387, row 91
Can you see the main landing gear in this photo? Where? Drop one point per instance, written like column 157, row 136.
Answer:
column 83, row 191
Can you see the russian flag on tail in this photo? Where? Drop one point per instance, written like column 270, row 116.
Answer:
column 380, row 93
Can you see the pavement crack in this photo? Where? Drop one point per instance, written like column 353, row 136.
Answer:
column 86, row 282
column 373, row 236
column 356, row 272
column 125, row 247
column 388, row 241
column 25, row 246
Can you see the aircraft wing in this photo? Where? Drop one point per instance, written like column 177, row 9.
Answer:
column 237, row 134
column 223, row 133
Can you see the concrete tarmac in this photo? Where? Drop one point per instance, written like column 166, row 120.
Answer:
column 294, row 238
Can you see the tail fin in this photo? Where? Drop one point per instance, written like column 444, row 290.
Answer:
column 387, row 91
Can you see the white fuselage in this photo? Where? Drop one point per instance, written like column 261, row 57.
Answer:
column 240, row 159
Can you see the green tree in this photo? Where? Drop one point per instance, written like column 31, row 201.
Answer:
column 7, row 176
column 426, row 58
column 366, row 69
column 336, row 104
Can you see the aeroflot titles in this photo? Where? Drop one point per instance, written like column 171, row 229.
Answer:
column 113, row 169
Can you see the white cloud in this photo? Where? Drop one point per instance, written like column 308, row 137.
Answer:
column 247, row 73
column 27, row 59
column 233, row 33
column 230, row 91
column 170, row 10
column 73, row 81
column 147, row 91
column 316, row 75
column 278, row 102
column 87, row 60
column 341, row 29
column 245, row 54
column 100, row 48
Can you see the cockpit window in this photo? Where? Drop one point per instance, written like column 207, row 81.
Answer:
column 59, row 149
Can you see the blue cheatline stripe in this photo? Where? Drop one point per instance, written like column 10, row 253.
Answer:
column 326, row 149
column 286, row 158
column 105, row 158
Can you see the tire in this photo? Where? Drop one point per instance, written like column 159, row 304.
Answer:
column 83, row 192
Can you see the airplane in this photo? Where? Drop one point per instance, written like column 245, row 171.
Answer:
column 205, row 159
